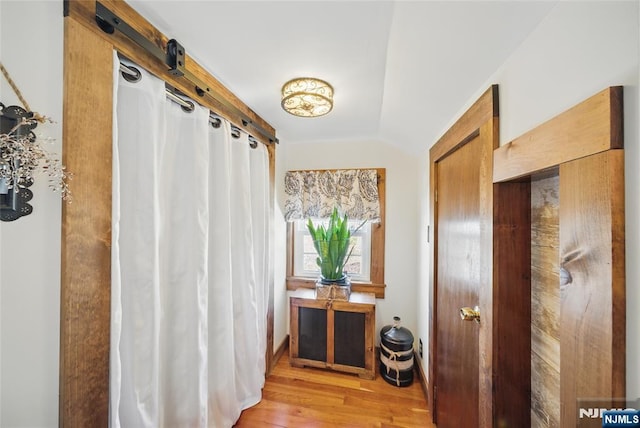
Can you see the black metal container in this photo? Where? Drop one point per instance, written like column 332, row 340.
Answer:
column 396, row 354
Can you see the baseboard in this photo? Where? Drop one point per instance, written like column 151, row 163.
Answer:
column 420, row 375
column 280, row 351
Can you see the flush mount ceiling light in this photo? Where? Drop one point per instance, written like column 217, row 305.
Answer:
column 307, row 97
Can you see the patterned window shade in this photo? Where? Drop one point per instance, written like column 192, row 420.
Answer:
column 313, row 194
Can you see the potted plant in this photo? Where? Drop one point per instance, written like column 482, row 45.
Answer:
column 333, row 247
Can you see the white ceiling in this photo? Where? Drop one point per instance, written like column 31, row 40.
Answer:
column 401, row 70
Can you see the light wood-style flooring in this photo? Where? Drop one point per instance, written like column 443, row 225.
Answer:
column 314, row 398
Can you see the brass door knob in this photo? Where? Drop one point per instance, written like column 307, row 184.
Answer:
column 468, row 314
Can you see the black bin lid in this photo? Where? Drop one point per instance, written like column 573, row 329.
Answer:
column 395, row 334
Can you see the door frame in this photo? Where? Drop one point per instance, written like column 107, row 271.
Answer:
column 586, row 139
column 479, row 121
column 591, row 127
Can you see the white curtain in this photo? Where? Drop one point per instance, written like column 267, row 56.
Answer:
column 189, row 264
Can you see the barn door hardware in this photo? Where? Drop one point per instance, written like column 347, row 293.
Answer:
column 174, row 57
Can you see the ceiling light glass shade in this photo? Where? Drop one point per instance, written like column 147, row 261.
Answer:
column 307, row 97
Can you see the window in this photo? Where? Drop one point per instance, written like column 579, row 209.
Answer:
column 367, row 257
column 304, row 254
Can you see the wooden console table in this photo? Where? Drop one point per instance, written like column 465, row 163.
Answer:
column 333, row 334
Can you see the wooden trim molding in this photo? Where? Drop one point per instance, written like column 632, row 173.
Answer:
column 295, row 283
column 468, row 126
column 593, row 309
column 85, row 311
column 279, row 352
column 583, row 146
column 377, row 285
column 86, row 223
column 422, row 378
column 593, row 126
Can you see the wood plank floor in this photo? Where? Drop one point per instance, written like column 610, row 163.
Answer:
column 314, row 398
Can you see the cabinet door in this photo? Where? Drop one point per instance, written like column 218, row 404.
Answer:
column 349, row 338
column 312, row 333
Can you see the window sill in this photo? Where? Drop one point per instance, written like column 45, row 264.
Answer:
column 296, row 282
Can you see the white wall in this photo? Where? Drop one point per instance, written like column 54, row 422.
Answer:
column 422, row 290
column 579, row 49
column 31, row 47
column 401, row 213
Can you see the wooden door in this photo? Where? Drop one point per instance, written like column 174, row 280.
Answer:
column 458, row 279
column 461, row 355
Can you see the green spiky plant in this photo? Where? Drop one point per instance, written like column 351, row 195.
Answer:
column 332, row 245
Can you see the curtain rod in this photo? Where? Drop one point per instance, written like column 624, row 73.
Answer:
column 215, row 120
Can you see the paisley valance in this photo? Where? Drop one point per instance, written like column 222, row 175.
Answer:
column 314, row 193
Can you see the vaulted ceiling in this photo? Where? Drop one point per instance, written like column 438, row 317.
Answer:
column 402, row 71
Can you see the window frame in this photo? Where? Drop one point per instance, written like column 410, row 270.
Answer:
column 376, row 284
column 364, row 232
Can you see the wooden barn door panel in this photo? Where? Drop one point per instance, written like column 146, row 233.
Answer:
column 592, row 315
